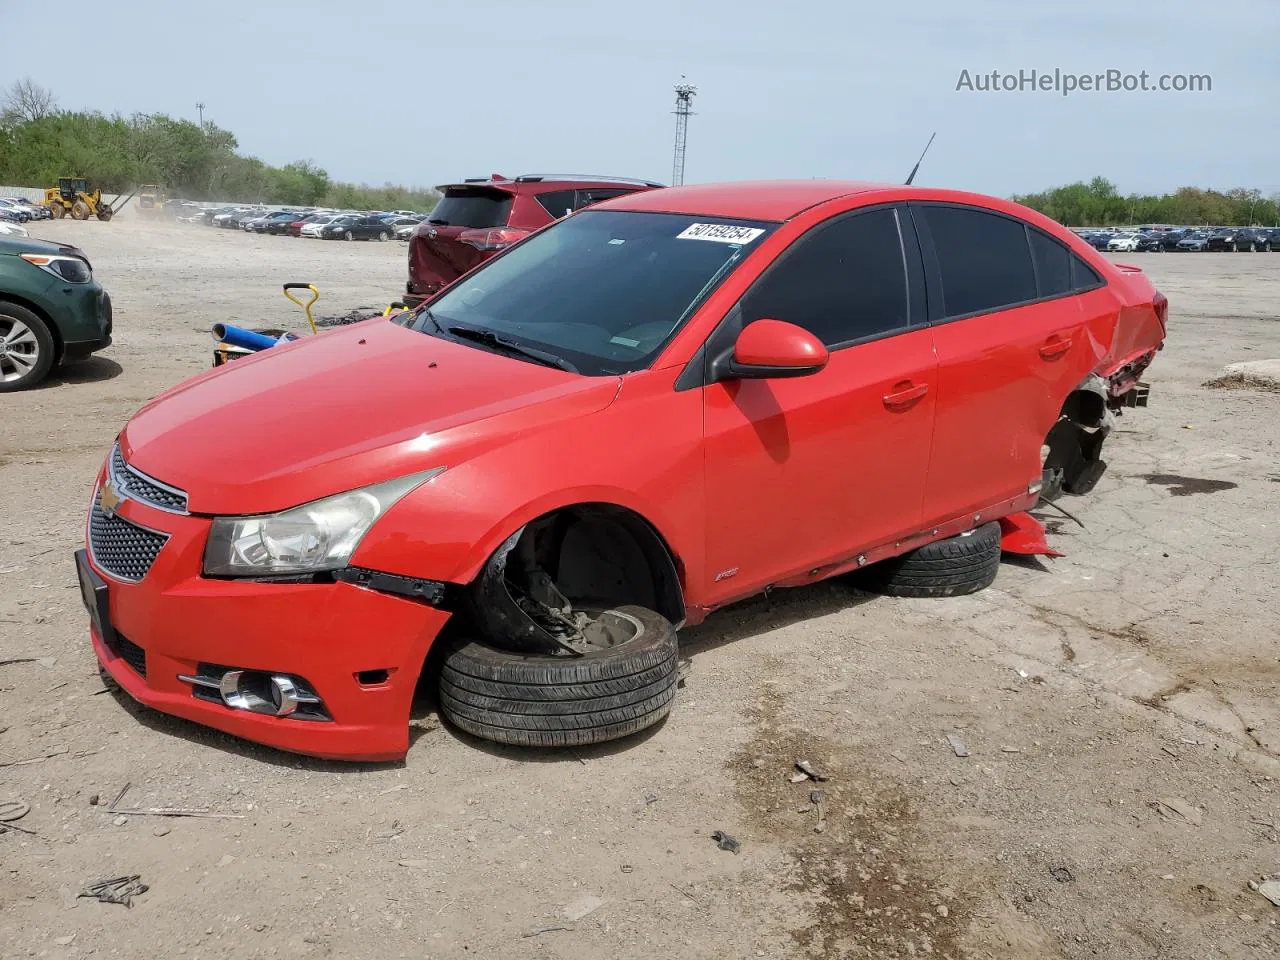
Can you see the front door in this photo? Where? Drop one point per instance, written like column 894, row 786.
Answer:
column 807, row 471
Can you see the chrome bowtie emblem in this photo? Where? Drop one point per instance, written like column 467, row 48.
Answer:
column 109, row 500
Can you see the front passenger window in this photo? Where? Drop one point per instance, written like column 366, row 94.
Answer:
column 844, row 280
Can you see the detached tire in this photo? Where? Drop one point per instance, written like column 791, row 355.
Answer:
column 534, row 700
column 946, row 568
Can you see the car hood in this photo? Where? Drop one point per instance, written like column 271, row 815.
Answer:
column 349, row 407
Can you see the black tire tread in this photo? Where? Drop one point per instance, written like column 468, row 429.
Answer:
column 555, row 701
column 945, row 568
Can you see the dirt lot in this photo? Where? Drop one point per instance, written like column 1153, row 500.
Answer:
column 1118, row 705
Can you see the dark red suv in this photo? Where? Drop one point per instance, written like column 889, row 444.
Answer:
column 477, row 218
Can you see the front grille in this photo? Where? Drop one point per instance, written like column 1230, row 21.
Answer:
column 121, row 548
column 133, row 483
column 130, row 653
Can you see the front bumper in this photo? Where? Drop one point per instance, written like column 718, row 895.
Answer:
column 328, row 633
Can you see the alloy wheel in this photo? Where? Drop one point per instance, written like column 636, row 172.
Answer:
column 19, row 349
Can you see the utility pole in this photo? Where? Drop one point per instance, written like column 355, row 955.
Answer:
column 684, row 110
column 200, row 107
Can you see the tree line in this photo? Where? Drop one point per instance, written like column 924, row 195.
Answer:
column 40, row 143
column 1099, row 204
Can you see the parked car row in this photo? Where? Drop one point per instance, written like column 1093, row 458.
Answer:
column 19, row 210
column 1186, row 240
column 322, row 224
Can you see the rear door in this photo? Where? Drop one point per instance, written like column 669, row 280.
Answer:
column 1012, row 343
column 807, row 471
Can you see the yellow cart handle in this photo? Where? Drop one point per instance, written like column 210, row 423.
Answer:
column 315, row 295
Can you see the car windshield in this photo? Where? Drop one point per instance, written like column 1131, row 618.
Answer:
column 604, row 290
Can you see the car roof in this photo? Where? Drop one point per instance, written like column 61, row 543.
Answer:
column 747, row 200
column 779, row 200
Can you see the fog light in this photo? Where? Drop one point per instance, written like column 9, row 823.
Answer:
column 258, row 692
column 273, row 694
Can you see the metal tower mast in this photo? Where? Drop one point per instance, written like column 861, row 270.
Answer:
column 684, row 110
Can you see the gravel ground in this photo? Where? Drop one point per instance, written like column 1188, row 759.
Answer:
column 1118, row 706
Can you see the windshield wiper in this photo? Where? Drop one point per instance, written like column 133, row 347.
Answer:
column 426, row 312
column 491, row 339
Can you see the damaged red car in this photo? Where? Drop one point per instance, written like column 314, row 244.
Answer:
column 658, row 406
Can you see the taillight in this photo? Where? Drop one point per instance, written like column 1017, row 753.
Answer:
column 1161, row 304
column 494, row 239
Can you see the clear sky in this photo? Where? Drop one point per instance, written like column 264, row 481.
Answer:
column 419, row 92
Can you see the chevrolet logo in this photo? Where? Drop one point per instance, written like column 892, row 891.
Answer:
column 109, row 500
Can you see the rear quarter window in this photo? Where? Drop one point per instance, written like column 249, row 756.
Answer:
column 1053, row 264
column 557, row 202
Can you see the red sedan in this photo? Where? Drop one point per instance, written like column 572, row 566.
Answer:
column 655, row 407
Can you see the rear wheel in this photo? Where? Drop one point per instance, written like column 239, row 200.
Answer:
column 382, row 236
column 58, row 211
column 946, row 568
column 105, row 213
column 622, row 686
column 26, row 348
column 79, row 210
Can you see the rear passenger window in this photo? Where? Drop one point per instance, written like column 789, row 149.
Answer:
column 842, row 281
column 1053, row 264
column 983, row 258
column 1083, row 276
column 557, row 202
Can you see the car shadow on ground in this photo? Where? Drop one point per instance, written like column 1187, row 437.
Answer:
column 88, row 370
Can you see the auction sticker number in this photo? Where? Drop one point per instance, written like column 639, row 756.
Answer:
column 719, row 233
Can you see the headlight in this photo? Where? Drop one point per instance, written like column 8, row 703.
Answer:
column 311, row 538
column 70, row 269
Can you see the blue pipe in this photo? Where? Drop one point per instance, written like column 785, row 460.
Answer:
column 240, row 337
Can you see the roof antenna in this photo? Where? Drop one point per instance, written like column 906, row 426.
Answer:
column 921, row 160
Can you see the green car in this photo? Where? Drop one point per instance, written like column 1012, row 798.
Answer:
column 51, row 310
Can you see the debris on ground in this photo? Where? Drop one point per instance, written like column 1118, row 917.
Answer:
column 821, row 825
column 51, row 752
column 114, row 807
column 120, row 890
column 726, row 842
column 581, row 908
column 958, row 745
column 683, row 669
column 1171, row 807
column 1061, row 874
column 351, row 316
column 807, row 772
column 1270, row 889
column 542, row 930
column 650, row 798
column 11, row 810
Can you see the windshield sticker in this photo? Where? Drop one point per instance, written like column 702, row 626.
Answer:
column 624, row 341
column 719, row 233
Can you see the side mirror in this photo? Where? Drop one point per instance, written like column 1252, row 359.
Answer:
column 773, row 348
